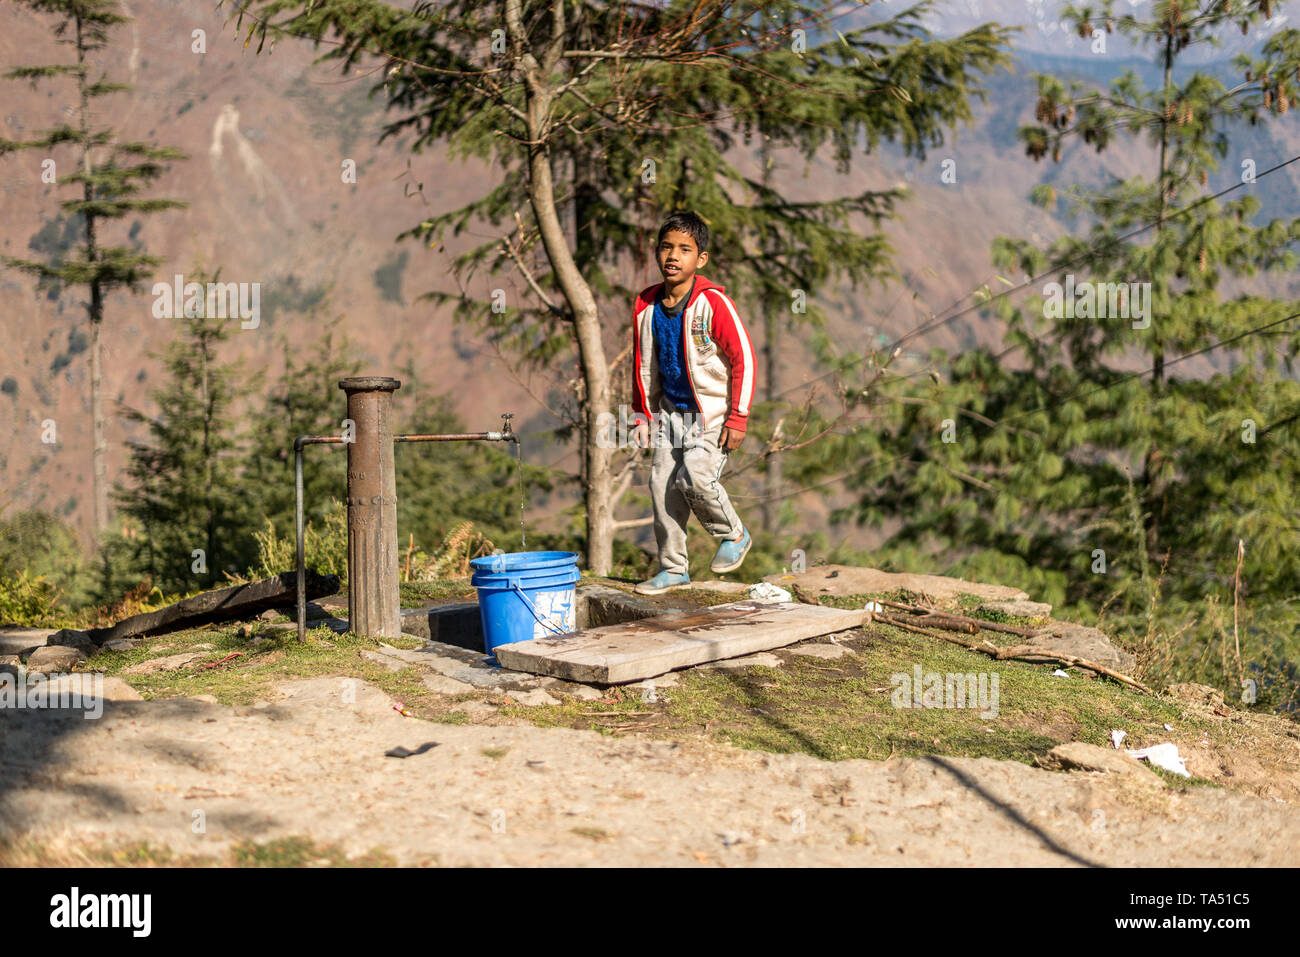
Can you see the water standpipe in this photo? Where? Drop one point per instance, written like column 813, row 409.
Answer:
column 374, row 604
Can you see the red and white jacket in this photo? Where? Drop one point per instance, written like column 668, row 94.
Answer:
column 719, row 356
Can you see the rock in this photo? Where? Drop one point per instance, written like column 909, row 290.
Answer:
column 466, row 667
column 851, row 580
column 584, row 693
column 205, row 698
column 271, row 615
column 1083, row 642
column 1081, row 756
column 110, row 689
column 1197, row 694
column 764, row 659
column 168, row 663
column 53, row 658
column 71, row 638
column 19, row 641
column 379, row 658
column 444, row 685
column 476, row 707
column 1018, row 609
column 10, row 665
column 531, row 698
column 122, row 644
column 818, row 650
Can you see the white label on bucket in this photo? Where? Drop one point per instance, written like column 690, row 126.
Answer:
column 555, row 607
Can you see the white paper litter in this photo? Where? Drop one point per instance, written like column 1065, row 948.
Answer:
column 1117, row 737
column 873, row 606
column 1168, row 726
column 1058, row 673
column 767, row 593
column 1164, row 756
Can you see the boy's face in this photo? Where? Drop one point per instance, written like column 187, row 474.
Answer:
column 678, row 258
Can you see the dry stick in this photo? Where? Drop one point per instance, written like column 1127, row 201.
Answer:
column 937, row 618
column 1236, row 595
column 1024, row 652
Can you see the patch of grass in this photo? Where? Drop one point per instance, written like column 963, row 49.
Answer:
column 415, row 594
column 280, row 658
column 595, row 833
column 845, row 708
column 302, row 852
column 496, row 754
column 284, row 852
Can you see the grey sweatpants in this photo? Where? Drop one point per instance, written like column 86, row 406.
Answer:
column 684, row 477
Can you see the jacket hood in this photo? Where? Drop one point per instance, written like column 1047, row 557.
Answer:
column 701, row 284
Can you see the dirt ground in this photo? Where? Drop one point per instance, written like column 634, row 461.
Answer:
column 197, row 778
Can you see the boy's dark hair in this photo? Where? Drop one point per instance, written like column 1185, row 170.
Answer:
column 689, row 223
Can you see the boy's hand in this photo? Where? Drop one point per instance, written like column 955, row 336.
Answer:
column 731, row 439
column 642, row 435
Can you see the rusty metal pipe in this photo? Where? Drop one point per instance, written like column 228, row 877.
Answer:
column 505, row 435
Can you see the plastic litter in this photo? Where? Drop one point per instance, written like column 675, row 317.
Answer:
column 873, row 606
column 1168, row 726
column 401, row 709
column 1058, row 673
column 1163, row 756
column 1117, row 737
column 767, row 593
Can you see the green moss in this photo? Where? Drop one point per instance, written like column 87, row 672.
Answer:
column 253, row 675
column 844, row 708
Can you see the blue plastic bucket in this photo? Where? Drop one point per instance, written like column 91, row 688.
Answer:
column 525, row 595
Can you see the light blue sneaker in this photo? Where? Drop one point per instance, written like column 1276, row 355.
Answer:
column 664, row 581
column 731, row 554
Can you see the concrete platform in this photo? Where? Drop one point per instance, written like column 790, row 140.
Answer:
column 635, row 650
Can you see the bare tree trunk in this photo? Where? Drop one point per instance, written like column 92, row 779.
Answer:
column 99, row 455
column 538, row 94
column 771, row 333
column 99, row 460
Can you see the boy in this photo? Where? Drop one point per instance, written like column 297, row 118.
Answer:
column 693, row 380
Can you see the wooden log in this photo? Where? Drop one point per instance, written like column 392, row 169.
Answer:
column 1022, row 653
column 223, row 604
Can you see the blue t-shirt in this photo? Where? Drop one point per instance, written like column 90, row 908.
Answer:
column 671, row 354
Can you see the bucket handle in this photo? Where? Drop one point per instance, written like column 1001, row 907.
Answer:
column 527, row 601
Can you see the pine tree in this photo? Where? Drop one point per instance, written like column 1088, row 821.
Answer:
column 304, row 400
column 110, row 174
column 1093, row 457
column 184, row 493
column 602, row 118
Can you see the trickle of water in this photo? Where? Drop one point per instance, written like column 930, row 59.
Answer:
column 519, row 471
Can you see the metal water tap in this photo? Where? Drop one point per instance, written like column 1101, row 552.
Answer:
column 507, row 434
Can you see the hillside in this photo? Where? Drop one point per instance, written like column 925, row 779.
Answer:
column 267, row 136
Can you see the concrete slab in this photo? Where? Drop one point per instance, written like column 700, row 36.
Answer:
column 632, row 651
column 452, row 623
column 819, row 650
column 763, row 659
